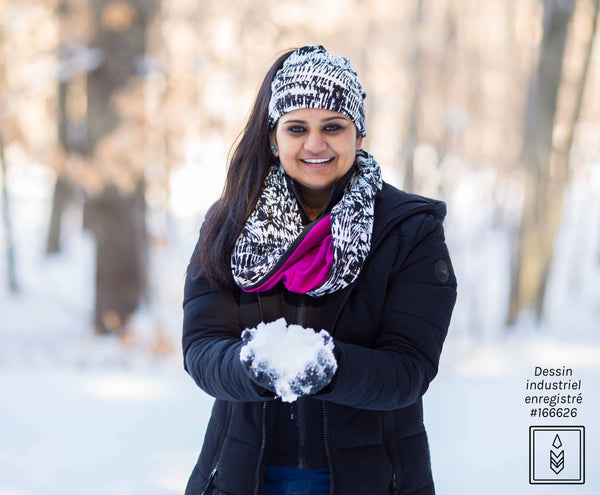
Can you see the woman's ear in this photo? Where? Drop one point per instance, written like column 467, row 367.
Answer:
column 358, row 141
column 273, row 143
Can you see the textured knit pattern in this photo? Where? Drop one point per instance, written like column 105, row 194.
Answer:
column 312, row 78
column 276, row 222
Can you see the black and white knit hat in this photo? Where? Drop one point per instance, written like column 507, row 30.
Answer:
column 312, row 78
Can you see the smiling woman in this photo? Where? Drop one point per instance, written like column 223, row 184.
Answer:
column 315, row 307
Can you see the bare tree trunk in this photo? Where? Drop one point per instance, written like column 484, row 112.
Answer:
column 412, row 137
column 563, row 157
column 117, row 215
column 62, row 187
column 10, row 250
column 531, row 265
column 62, row 194
column 447, row 68
column 119, row 228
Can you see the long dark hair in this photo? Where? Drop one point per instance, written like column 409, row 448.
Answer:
column 248, row 167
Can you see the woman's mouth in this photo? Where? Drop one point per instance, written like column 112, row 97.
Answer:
column 316, row 161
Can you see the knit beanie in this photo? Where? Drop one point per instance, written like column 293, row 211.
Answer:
column 312, row 78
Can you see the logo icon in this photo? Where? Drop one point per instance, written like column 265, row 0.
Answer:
column 557, row 459
column 557, row 455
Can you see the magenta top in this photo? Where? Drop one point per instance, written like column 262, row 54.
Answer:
column 309, row 264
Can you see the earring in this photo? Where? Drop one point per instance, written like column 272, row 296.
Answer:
column 272, row 147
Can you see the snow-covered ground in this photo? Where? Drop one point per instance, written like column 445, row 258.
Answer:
column 81, row 414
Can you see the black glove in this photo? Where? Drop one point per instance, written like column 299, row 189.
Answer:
column 317, row 375
column 259, row 373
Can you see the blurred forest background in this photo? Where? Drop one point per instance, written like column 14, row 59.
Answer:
column 116, row 119
column 131, row 106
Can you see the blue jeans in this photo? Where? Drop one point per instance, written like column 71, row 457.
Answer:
column 291, row 481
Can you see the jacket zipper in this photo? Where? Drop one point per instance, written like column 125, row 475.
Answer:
column 261, row 454
column 300, row 406
column 261, row 313
column 301, row 434
column 215, row 469
column 327, row 451
column 300, row 319
column 391, row 449
column 211, row 477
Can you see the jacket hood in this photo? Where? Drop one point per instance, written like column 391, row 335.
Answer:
column 393, row 206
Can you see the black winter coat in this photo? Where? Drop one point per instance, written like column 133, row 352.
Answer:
column 388, row 329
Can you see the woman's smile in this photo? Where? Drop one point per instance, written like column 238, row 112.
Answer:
column 317, row 161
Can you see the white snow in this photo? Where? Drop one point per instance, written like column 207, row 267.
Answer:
column 102, row 416
column 288, row 354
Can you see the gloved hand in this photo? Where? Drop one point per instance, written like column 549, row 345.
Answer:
column 256, row 369
column 318, row 373
column 290, row 361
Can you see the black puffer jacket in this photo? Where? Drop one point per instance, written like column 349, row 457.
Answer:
column 389, row 327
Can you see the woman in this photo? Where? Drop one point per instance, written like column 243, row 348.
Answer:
column 307, row 231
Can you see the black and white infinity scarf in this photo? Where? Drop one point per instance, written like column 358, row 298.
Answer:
column 276, row 222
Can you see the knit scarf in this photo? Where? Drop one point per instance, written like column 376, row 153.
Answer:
column 275, row 230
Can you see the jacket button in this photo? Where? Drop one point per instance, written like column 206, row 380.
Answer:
column 442, row 271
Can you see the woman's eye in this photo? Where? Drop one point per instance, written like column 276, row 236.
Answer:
column 296, row 129
column 333, row 128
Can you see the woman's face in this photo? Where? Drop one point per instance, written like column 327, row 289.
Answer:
column 316, row 147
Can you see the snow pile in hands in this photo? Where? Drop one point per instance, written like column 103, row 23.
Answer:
column 292, row 361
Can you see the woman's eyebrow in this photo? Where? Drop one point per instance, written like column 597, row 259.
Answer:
column 294, row 121
column 304, row 122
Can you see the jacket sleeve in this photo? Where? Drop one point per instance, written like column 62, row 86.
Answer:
column 396, row 371
column 211, row 342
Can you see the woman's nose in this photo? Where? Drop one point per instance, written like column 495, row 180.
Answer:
column 315, row 143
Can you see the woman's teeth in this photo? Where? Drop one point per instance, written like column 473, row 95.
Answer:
column 317, row 160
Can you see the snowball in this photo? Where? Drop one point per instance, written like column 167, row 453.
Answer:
column 293, row 356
